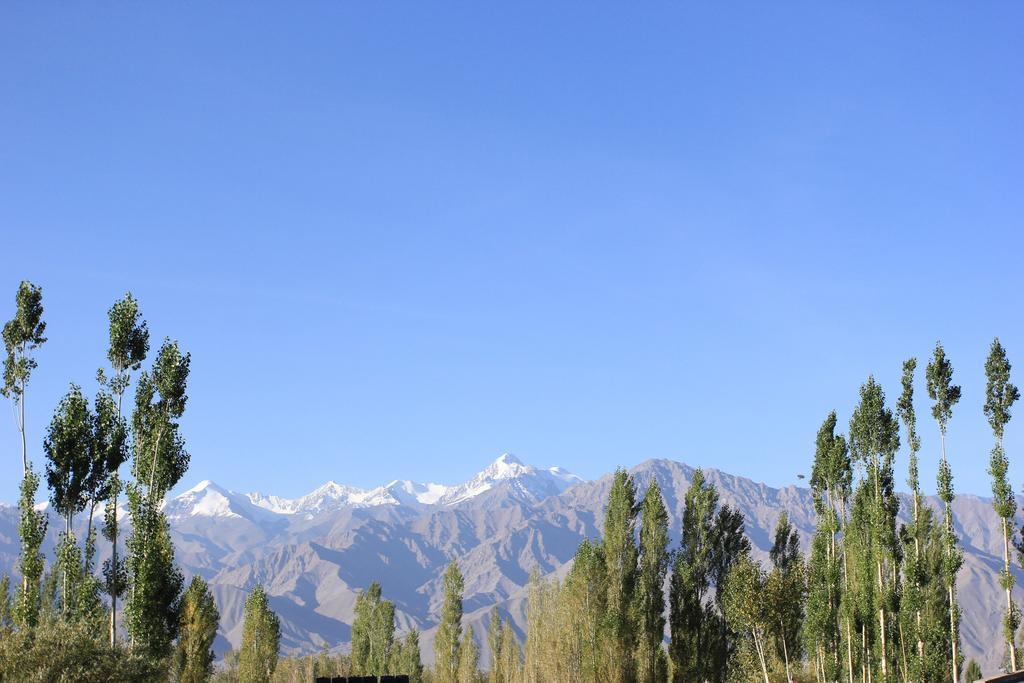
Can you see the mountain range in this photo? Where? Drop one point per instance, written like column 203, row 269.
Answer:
column 313, row 554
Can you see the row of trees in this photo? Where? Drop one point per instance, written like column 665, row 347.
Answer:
column 62, row 622
column 882, row 600
column 873, row 599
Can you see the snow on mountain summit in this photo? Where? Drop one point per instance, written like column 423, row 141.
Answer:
column 209, row 499
column 526, row 480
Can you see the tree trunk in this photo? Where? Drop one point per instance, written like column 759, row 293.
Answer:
column 785, row 651
column 1009, row 598
column 952, row 628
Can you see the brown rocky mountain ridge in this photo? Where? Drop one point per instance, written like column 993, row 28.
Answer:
column 313, row 564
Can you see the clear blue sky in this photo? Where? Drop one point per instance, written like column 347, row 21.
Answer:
column 400, row 239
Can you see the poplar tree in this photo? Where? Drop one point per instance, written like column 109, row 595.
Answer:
column 787, row 589
column 650, row 603
column 620, row 555
column 495, row 636
column 584, row 598
column 128, row 345
column 745, row 606
column 913, row 574
column 68, row 448
column 408, row 657
column 373, row 633
column 449, row 631
column 874, row 440
column 469, row 658
column 1000, row 395
column 159, row 462
column 193, row 655
column 689, row 613
column 828, row 577
column 160, row 457
column 702, row 643
column 23, row 335
column 509, row 654
column 261, row 640
column 941, row 389
column 108, row 451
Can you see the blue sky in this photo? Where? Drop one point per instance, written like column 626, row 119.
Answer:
column 401, row 239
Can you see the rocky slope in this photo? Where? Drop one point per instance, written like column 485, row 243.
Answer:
column 313, row 554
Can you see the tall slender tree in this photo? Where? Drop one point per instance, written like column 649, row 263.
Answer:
column 945, row 394
column 449, row 631
column 702, row 642
column 261, row 639
column 874, row 440
column 193, row 655
column 828, row 581
column 23, row 335
column 509, row 654
column 620, row 555
column 159, row 462
column 128, row 346
column 68, row 447
column 1000, row 395
column 373, row 633
column 650, row 597
column 584, row 598
column 787, row 588
column 469, row 658
column 914, row 578
column 408, row 658
column 497, row 674
column 746, row 607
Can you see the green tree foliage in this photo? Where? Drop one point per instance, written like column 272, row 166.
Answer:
column 620, row 555
column 831, row 478
column 61, row 650
column 261, row 639
column 373, row 633
column 128, row 346
column 651, row 663
column 509, row 654
column 1000, row 395
column 972, row 672
column 407, row 658
column 23, row 335
column 449, row 631
column 68, row 447
column 787, row 593
column 702, row 643
column 745, row 606
column 469, row 658
column 945, row 394
column 160, row 456
column 193, row 653
column 583, row 598
column 32, row 529
column 874, row 441
column 159, row 462
column 151, row 608
column 6, row 619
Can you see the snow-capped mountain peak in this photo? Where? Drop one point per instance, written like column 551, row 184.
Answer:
column 208, row 499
